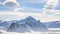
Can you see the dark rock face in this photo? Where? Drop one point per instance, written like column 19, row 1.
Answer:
column 34, row 24
column 18, row 28
column 13, row 27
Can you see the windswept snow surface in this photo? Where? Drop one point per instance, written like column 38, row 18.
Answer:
column 32, row 32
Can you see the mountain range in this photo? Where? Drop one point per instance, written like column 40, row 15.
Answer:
column 53, row 24
column 28, row 24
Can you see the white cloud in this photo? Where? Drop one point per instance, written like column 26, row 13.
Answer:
column 57, row 11
column 50, row 5
column 14, row 1
column 28, row 9
column 39, row 16
column 16, row 9
column 51, row 12
column 44, row 17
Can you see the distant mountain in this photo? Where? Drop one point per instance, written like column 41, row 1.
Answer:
column 34, row 24
column 26, row 25
column 5, row 24
column 53, row 24
column 18, row 28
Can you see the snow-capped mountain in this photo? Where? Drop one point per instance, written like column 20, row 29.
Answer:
column 34, row 24
column 4, row 24
column 26, row 25
column 53, row 24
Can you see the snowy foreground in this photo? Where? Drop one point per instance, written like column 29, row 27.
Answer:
column 32, row 32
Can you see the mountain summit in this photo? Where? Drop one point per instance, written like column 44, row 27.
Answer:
column 27, row 24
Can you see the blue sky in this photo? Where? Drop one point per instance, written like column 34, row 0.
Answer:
column 26, row 3
column 36, row 4
column 30, row 6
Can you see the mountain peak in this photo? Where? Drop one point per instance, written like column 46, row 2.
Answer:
column 30, row 18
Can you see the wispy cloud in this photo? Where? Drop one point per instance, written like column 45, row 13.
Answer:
column 11, row 3
column 28, row 9
column 39, row 16
column 24, row 11
column 17, row 9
